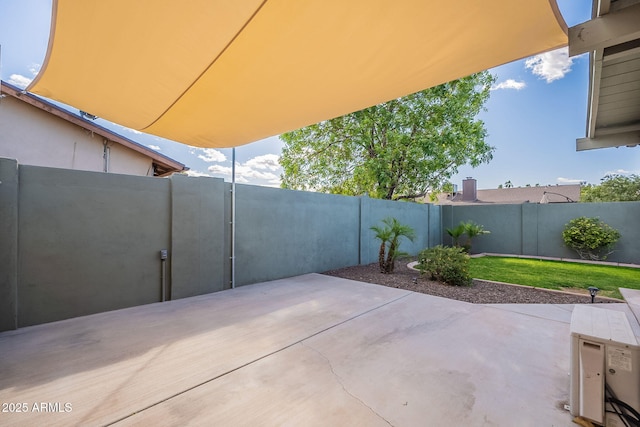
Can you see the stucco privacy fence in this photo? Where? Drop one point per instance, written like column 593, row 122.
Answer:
column 74, row 243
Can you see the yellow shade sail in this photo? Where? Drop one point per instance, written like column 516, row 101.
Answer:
column 221, row 73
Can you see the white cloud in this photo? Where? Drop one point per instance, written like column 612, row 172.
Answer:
column 19, row 80
column 224, row 171
column 562, row 180
column 22, row 81
column 242, row 172
column 509, row 84
column 137, row 132
column 154, row 147
column 267, row 161
column 620, row 172
column 550, row 65
column 196, row 173
column 251, row 173
column 34, row 69
column 220, row 170
column 275, row 182
column 209, row 155
column 259, row 170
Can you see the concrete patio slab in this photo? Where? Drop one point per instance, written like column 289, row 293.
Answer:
column 632, row 296
column 309, row 350
column 557, row 312
column 562, row 312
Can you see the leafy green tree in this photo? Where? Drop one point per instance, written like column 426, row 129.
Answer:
column 447, row 187
column 613, row 188
column 389, row 235
column 591, row 238
column 400, row 149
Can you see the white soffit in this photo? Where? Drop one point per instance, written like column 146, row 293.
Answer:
column 612, row 39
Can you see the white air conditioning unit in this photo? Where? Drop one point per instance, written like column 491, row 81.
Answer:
column 605, row 367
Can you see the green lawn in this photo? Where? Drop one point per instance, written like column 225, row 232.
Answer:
column 556, row 274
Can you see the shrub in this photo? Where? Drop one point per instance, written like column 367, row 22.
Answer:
column 389, row 236
column 456, row 232
column 470, row 228
column 590, row 237
column 445, row 264
column 473, row 230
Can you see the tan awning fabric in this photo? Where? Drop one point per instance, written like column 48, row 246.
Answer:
column 221, row 73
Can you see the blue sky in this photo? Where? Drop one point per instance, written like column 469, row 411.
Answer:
column 536, row 111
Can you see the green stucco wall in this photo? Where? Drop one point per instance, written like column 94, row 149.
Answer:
column 77, row 243
column 74, row 243
column 536, row 229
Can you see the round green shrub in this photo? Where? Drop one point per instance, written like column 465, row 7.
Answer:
column 445, row 264
column 590, row 237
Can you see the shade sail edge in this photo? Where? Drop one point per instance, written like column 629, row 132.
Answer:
column 271, row 81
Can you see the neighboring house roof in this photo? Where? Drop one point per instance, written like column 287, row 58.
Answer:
column 612, row 39
column 162, row 164
column 546, row 194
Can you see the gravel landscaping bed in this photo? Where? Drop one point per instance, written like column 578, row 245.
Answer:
column 481, row 292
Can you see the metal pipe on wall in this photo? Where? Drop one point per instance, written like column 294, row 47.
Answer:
column 233, row 218
column 163, row 275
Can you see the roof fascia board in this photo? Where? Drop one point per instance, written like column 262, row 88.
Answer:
column 622, row 50
column 629, row 139
column 594, row 91
column 601, row 7
column 605, row 31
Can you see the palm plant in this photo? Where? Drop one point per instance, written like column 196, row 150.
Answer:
column 456, row 232
column 472, row 230
column 389, row 236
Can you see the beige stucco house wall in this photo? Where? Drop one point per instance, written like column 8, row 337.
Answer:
column 35, row 132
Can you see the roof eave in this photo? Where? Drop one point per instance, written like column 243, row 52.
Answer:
column 609, row 35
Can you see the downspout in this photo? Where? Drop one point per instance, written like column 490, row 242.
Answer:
column 106, row 155
column 233, row 218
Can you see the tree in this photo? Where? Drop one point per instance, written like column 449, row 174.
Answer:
column 591, row 238
column 389, row 236
column 400, row 149
column 613, row 188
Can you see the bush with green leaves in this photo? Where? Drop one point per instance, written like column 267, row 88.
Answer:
column 445, row 264
column 591, row 238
